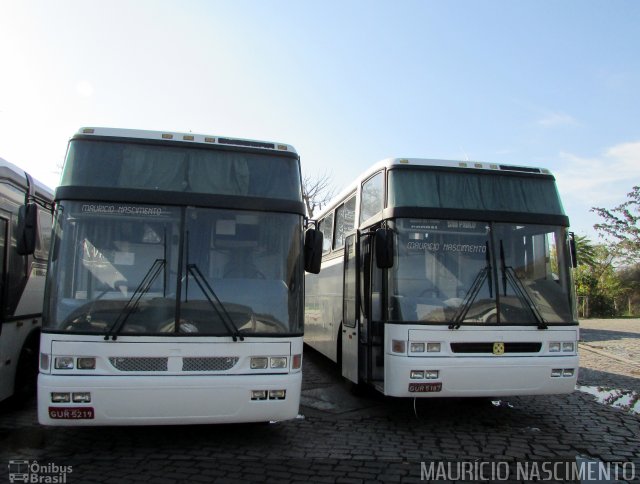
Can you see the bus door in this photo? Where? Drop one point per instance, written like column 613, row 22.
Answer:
column 350, row 310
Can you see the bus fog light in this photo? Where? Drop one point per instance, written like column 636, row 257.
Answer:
column 82, row 397
column 417, row 374
column 60, row 397
column 417, row 347
column 431, row 374
column 398, row 346
column 568, row 347
column 556, row 372
column 86, row 363
column 258, row 394
column 277, row 394
column 433, row 347
column 296, row 362
column 568, row 372
column 279, row 362
column 259, row 363
column 554, row 347
column 64, row 363
column 44, row 361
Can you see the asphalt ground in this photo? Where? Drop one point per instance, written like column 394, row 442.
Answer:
column 340, row 437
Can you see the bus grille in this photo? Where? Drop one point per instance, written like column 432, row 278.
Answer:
column 216, row 363
column 139, row 363
column 488, row 347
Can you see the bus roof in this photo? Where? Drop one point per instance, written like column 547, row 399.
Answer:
column 183, row 137
column 16, row 176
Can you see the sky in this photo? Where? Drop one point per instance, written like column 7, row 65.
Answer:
column 347, row 83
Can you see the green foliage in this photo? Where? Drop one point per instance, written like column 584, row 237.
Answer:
column 621, row 227
column 610, row 291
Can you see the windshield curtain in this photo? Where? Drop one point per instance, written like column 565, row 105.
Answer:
column 481, row 191
column 116, row 268
column 182, row 169
column 464, row 272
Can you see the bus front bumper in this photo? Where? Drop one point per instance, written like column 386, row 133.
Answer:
column 167, row 400
column 480, row 376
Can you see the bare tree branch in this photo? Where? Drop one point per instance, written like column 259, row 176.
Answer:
column 317, row 191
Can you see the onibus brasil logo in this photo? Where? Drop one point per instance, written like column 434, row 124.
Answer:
column 32, row 471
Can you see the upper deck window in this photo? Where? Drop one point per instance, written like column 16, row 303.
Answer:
column 99, row 163
column 481, row 191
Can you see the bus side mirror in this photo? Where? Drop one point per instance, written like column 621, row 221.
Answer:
column 27, row 229
column 572, row 248
column 313, row 250
column 384, row 248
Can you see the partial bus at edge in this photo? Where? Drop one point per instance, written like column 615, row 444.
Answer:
column 447, row 279
column 25, row 234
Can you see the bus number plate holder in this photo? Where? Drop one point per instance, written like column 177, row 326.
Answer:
column 71, row 413
column 425, row 387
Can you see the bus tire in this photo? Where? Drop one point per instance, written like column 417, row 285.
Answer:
column 26, row 381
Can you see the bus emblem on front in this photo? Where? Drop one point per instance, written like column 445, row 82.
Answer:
column 498, row 348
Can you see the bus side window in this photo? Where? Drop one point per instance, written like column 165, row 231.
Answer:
column 372, row 197
column 345, row 218
column 326, row 227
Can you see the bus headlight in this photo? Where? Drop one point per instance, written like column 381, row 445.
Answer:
column 60, row 397
column 568, row 346
column 417, row 374
column 86, row 363
column 277, row 394
column 81, row 397
column 279, row 362
column 433, row 347
column 554, row 347
column 64, row 363
column 417, row 347
column 259, row 363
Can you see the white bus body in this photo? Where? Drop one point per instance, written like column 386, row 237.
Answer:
column 21, row 281
column 175, row 284
column 477, row 300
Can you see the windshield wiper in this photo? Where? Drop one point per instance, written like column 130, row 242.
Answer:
column 208, row 292
column 133, row 302
column 509, row 275
column 472, row 293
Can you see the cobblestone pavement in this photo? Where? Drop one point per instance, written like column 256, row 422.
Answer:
column 610, row 353
column 343, row 438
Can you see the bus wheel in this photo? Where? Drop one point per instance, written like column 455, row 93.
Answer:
column 26, row 382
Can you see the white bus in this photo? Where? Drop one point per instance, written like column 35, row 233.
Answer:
column 25, row 233
column 448, row 279
column 175, row 285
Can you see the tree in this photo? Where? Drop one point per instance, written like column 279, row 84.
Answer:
column 317, row 191
column 585, row 251
column 621, row 224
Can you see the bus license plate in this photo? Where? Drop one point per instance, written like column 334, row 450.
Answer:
column 71, row 413
column 425, row 387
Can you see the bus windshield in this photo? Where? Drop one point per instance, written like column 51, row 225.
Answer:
column 189, row 169
column 143, row 269
column 469, row 272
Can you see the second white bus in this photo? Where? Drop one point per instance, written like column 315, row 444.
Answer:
column 446, row 278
